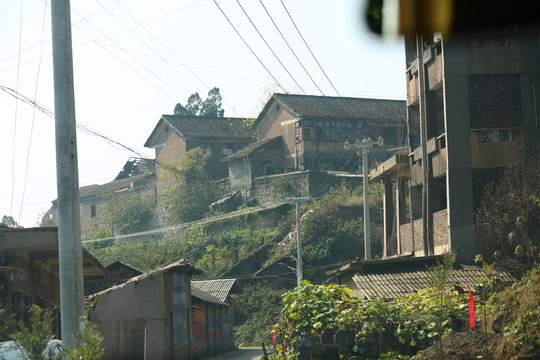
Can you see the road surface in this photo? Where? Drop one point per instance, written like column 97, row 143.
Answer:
column 240, row 354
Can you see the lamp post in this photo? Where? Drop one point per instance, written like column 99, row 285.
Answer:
column 364, row 145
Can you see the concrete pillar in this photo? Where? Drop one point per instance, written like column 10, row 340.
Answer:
column 400, row 210
column 458, row 141
column 388, row 218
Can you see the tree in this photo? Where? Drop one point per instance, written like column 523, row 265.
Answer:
column 194, row 191
column 508, row 218
column 129, row 212
column 32, row 341
column 9, row 220
column 211, row 107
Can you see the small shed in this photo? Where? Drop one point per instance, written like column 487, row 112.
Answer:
column 213, row 315
column 147, row 317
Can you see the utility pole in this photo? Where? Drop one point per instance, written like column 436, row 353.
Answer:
column 427, row 216
column 365, row 145
column 67, row 177
column 299, row 274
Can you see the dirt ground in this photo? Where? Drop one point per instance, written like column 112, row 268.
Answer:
column 462, row 346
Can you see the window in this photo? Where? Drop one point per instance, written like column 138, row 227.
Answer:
column 92, row 211
column 495, row 136
column 207, row 152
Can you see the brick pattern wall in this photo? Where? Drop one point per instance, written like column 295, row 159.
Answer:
column 494, row 101
column 440, row 235
column 440, row 232
column 271, row 126
column 171, row 152
column 407, row 239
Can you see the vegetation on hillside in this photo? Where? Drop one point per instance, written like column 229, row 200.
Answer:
column 325, row 321
column 188, row 199
column 508, row 219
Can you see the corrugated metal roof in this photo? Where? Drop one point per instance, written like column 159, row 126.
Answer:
column 220, row 288
column 401, row 283
column 201, row 295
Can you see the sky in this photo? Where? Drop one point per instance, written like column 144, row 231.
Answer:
column 135, row 59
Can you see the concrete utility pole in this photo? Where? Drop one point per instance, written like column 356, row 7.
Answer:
column 427, row 216
column 299, row 274
column 365, row 145
column 67, row 176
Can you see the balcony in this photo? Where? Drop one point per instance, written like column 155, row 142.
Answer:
column 432, row 60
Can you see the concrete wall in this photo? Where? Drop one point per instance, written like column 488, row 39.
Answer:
column 142, row 312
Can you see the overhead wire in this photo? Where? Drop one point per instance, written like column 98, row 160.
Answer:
column 133, row 58
column 249, row 47
column 173, row 54
column 269, row 47
column 311, row 52
column 16, row 114
column 33, row 115
column 144, row 42
column 290, row 48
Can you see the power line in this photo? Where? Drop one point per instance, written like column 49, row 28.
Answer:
column 290, row 48
column 299, row 33
column 143, row 42
column 16, row 112
column 238, row 33
column 269, row 47
column 135, row 59
column 33, row 114
column 174, row 55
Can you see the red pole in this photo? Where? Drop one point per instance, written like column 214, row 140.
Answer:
column 471, row 308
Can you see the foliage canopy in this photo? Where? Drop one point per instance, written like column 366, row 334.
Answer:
column 195, row 106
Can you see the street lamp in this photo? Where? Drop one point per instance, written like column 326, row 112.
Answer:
column 365, row 145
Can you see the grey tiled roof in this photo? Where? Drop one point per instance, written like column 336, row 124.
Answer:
column 201, row 295
column 181, row 265
column 250, row 148
column 220, row 288
column 401, row 283
column 220, row 127
column 310, row 106
column 93, row 190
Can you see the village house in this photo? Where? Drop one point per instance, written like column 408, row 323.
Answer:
column 474, row 113
column 305, row 134
column 137, row 176
column 175, row 135
column 29, row 271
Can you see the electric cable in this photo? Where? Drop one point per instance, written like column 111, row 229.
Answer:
column 238, row 33
column 269, row 47
column 290, row 48
column 16, row 113
column 311, row 52
column 33, row 114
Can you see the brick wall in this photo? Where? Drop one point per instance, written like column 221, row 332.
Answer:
column 440, row 232
column 407, row 238
column 279, row 121
column 171, row 152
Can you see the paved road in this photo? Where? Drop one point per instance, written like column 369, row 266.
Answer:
column 240, row 354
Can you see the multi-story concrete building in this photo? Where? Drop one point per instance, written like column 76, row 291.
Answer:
column 471, row 111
